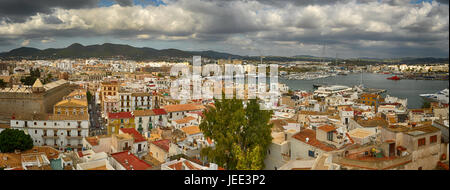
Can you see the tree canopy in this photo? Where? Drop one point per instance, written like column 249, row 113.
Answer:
column 12, row 139
column 241, row 134
column 29, row 80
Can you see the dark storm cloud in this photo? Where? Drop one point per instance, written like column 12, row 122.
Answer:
column 278, row 27
column 443, row 1
column 20, row 10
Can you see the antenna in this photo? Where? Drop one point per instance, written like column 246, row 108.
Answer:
column 261, row 56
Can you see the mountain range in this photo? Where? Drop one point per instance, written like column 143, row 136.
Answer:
column 108, row 50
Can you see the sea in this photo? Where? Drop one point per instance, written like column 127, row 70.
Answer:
column 410, row 89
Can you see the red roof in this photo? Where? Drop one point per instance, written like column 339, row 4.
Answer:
column 120, row 115
column 311, row 135
column 163, row 144
column 159, row 111
column 129, row 161
column 136, row 135
column 327, row 128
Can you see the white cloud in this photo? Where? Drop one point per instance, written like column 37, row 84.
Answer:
column 25, row 43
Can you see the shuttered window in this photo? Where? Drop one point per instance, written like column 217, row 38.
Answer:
column 421, row 142
column 433, row 139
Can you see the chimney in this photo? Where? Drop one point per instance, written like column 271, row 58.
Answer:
column 307, row 139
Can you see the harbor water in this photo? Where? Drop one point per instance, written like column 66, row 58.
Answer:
column 410, row 89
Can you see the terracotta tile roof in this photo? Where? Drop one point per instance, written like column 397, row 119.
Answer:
column 120, row 115
column 130, row 161
column 191, row 130
column 159, row 111
column 311, row 135
column 143, row 113
column 190, row 166
column 327, row 128
column 177, row 166
column 163, row 144
column 136, row 135
column 93, row 141
column 184, row 120
column 183, row 107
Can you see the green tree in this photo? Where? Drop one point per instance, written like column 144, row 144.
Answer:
column 241, row 135
column 29, row 80
column 12, row 139
column 89, row 96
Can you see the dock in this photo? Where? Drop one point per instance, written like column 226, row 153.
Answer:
column 374, row 91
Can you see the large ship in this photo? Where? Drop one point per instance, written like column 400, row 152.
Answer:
column 441, row 96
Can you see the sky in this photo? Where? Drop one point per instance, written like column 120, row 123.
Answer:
column 342, row 28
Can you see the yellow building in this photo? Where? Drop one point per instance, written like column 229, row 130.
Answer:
column 120, row 120
column 73, row 104
column 370, row 99
column 109, row 89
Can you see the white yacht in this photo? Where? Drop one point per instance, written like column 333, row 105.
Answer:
column 441, row 96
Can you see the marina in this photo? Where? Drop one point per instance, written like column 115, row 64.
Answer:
column 410, row 89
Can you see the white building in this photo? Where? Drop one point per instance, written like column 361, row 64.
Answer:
column 145, row 120
column 132, row 101
column 58, row 131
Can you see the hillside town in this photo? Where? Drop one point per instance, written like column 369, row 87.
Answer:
column 93, row 114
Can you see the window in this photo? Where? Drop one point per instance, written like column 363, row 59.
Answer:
column 311, row 153
column 433, row 139
column 421, row 142
column 330, row 136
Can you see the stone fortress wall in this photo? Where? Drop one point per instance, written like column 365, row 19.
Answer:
column 29, row 102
